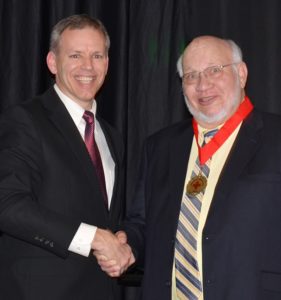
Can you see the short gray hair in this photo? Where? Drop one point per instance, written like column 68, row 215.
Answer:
column 237, row 54
column 76, row 22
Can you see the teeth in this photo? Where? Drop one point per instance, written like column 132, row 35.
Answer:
column 205, row 99
column 85, row 79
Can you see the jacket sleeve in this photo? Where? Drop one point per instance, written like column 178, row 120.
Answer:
column 21, row 174
column 135, row 221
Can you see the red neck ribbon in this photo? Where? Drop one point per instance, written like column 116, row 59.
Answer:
column 224, row 132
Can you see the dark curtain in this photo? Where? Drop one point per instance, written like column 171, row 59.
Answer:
column 142, row 92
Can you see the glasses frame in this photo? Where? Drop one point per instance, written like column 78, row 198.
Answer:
column 198, row 74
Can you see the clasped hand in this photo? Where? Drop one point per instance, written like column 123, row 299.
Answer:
column 113, row 253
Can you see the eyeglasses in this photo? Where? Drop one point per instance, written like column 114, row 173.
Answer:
column 213, row 72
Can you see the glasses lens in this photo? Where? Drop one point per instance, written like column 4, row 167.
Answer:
column 190, row 77
column 213, row 71
column 210, row 72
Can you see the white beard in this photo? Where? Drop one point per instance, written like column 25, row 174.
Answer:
column 232, row 105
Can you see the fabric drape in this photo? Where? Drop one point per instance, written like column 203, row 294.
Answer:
column 142, row 92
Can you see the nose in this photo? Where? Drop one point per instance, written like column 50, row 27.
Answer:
column 203, row 82
column 87, row 63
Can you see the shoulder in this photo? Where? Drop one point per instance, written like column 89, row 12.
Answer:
column 268, row 121
column 21, row 120
column 267, row 125
column 173, row 131
column 266, row 116
column 31, row 105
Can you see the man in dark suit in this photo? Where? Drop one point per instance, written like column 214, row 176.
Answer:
column 57, row 198
column 207, row 214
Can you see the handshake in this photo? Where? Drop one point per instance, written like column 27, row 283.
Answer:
column 112, row 252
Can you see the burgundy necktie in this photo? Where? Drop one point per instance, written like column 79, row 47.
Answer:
column 94, row 151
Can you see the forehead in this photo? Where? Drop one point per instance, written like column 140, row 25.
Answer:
column 207, row 51
column 87, row 36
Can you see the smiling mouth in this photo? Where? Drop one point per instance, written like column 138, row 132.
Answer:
column 206, row 100
column 85, row 79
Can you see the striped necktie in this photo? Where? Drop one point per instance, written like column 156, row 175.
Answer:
column 188, row 282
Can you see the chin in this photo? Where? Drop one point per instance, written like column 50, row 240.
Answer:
column 215, row 118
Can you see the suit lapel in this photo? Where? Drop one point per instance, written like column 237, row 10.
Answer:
column 244, row 148
column 179, row 151
column 60, row 117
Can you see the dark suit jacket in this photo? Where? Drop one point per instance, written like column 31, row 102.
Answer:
column 48, row 186
column 242, row 235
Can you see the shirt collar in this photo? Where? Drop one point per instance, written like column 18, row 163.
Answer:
column 202, row 131
column 74, row 109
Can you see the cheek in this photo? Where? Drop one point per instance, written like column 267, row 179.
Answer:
column 228, row 86
column 69, row 66
column 101, row 69
column 187, row 91
column 190, row 93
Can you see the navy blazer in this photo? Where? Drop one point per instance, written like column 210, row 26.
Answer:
column 241, row 240
column 48, row 186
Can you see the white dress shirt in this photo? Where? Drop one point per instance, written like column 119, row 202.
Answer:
column 81, row 242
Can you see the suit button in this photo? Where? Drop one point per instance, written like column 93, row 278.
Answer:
column 208, row 238
column 209, row 281
column 168, row 283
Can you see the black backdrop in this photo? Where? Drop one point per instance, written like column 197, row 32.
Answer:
column 142, row 92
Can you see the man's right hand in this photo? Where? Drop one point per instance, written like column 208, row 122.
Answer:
column 113, row 253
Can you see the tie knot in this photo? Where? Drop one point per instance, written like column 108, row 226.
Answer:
column 89, row 117
column 208, row 135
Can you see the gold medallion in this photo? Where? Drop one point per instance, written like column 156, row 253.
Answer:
column 196, row 185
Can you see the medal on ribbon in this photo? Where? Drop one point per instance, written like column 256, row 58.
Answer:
column 196, row 185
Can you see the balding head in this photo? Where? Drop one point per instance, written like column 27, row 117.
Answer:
column 214, row 78
column 228, row 47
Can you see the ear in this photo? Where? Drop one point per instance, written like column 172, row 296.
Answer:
column 51, row 62
column 243, row 74
column 107, row 63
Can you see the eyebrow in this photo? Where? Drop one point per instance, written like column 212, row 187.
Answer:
column 190, row 69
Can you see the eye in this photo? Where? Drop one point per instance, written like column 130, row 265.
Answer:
column 214, row 70
column 74, row 56
column 98, row 56
column 191, row 76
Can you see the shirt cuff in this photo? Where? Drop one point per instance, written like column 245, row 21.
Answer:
column 82, row 240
